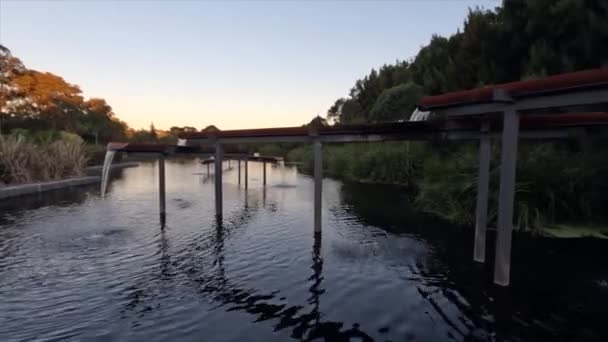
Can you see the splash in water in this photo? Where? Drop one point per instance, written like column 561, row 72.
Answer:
column 284, row 183
column 105, row 172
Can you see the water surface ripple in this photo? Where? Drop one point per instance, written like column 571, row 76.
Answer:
column 74, row 266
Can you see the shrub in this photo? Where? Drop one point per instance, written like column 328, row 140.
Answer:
column 23, row 161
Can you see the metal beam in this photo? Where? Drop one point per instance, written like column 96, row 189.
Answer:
column 239, row 172
column 506, row 196
column 318, row 178
column 483, row 181
column 553, row 133
column 218, row 179
column 584, row 97
column 161, row 189
column 246, row 172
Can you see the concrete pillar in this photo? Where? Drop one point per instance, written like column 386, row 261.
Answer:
column 246, row 172
column 506, row 197
column 264, row 173
column 161, row 188
column 238, row 165
column 318, row 175
column 481, row 217
column 218, row 179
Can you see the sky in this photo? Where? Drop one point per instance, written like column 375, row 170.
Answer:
column 234, row 64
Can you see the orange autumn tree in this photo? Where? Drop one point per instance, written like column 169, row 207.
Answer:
column 35, row 100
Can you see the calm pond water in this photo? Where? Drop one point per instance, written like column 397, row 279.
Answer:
column 74, row 266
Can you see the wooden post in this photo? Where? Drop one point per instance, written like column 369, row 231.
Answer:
column 218, row 179
column 264, row 172
column 238, row 164
column 510, row 132
column 318, row 175
column 207, row 170
column 161, row 188
column 479, row 252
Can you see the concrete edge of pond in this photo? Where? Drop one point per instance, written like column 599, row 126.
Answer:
column 35, row 188
column 96, row 169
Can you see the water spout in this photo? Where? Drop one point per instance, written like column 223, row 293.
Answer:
column 105, row 172
column 419, row 115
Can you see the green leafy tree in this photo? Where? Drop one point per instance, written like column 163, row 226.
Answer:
column 396, row 103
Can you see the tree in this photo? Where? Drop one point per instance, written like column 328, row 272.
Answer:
column 396, row 103
column 153, row 134
column 519, row 40
column 97, row 118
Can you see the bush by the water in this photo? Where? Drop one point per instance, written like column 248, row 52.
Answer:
column 46, row 156
column 390, row 162
column 555, row 182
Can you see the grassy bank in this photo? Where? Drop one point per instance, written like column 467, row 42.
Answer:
column 44, row 157
column 555, row 182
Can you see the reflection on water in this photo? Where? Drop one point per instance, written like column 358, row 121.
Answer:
column 76, row 267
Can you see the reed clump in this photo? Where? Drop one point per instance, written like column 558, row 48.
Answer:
column 24, row 160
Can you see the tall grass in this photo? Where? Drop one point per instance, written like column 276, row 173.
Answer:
column 556, row 182
column 390, row 162
column 24, row 161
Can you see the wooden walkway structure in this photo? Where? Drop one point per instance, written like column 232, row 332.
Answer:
column 532, row 109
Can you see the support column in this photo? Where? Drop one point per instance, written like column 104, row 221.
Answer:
column 506, row 196
column 218, row 179
column 264, row 172
column 318, row 174
column 238, row 164
column 246, row 172
column 481, row 217
column 161, row 188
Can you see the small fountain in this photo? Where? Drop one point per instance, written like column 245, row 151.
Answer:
column 284, row 183
column 105, row 171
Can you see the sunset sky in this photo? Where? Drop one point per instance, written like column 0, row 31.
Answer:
column 232, row 64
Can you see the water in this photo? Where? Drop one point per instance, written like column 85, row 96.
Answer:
column 105, row 171
column 76, row 267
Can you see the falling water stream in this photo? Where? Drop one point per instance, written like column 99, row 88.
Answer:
column 105, row 172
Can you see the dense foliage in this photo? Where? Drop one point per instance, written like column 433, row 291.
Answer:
column 519, row 40
column 44, row 157
column 41, row 101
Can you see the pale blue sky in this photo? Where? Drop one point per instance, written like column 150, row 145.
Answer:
column 232, row 64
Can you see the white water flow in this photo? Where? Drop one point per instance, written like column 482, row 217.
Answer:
column 105, row 171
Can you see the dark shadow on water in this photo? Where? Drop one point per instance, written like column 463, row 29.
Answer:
column 555, row 293
column 55, row 198
column 559, row 288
